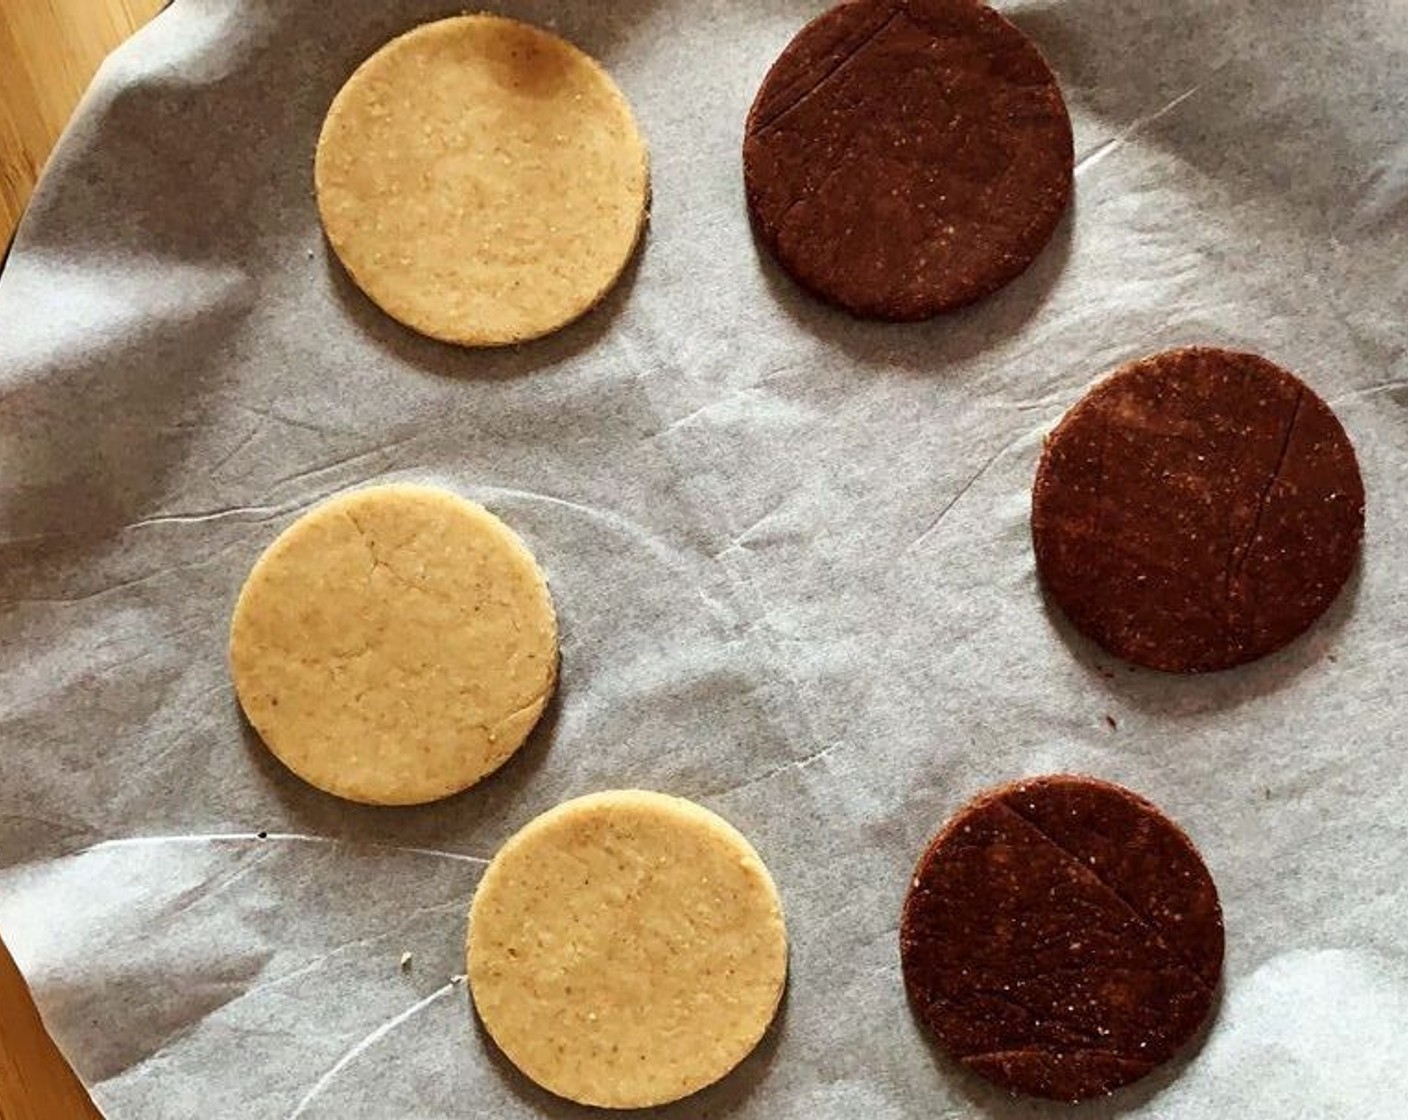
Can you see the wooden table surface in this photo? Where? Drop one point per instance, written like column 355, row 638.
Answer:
column 48, row 51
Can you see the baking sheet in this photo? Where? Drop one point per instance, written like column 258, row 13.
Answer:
column 789, row 552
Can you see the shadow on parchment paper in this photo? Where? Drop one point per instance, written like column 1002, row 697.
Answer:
column 469, row 363
column 433, row 825
column 91, row 464
column 927, row 347
column 723, row 1098
column 1177, row 694
column 1252, row 108
column 997, row 1104
column 597, row 28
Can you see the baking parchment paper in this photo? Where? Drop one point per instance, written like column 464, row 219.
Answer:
column 790, row 553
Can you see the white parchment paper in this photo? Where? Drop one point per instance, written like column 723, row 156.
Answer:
column 790, row 553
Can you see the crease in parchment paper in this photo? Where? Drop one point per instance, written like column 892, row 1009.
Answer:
column 1109, row 147
column 275, row 838
column 366, row 1043
column 968, row 484
column 322, row 959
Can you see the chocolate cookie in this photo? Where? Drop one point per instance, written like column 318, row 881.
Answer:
column 1197, row 510
column 906, row 157
column 1061, row 937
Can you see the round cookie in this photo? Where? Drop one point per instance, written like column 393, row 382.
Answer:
column 907, row 157
column 1061, row 938
column 626, row 949
column 1196, row 510
column 394, row 645
column 483, row 181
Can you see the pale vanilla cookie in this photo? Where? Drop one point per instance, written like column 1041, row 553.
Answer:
column 394, row 645
column 627, row 949
column 482, row 180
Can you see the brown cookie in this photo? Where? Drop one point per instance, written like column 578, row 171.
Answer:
column 1061, row 937
column 1197, row 510
column 907, row 157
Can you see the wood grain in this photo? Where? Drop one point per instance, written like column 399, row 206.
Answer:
column 35, row 1081
column 49, row 50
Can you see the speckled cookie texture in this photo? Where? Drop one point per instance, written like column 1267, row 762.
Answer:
column 394, row 645
column 907, row 157
column 1198, row 509
column 626, row 949
column 1061, row 938
column 483, row 181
